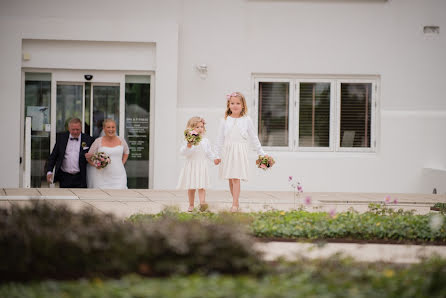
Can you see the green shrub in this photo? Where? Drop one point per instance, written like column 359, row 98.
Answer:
column 439, row 207
column 42, row 241
column 304, row 278
column 379, row 224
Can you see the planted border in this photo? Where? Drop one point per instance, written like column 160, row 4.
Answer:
column 379, row 224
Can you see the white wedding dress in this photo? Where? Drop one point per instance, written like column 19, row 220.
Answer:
column 113, row 176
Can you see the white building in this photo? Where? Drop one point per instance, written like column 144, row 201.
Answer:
column 346, row 95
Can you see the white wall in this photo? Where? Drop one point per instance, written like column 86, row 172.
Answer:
column 239, row 38
column 62, row 20
column 242, row 38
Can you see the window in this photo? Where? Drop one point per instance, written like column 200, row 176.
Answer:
column 137, row 129
column 319, row 114
column 355, row 114
column 314, row 115
column 274, row 113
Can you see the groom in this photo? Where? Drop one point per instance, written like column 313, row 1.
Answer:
column 68, row 157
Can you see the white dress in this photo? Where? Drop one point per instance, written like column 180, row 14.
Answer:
column 195, row 173
column 113, row 176
column 234, row 163
column 234, row 136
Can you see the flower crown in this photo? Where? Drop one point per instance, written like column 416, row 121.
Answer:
column 233, row 94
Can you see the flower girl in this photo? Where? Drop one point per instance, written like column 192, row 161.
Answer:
column 231, row 146
column 195, row 173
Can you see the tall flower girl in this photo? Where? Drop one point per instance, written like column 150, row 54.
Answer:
column 195, row 173
column 231, row 147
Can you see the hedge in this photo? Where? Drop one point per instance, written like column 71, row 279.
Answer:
column 45, row 241
column 317, row 278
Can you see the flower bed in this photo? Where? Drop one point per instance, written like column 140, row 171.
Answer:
column 380, row 224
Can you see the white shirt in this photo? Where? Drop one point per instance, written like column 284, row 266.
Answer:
column 70, row 163
column 246, row 130
column 204, row 144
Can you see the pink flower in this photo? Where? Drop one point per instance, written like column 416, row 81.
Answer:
column 193, row 132
column 387, row 200
column 395, row 201
column 263, row 166
column 308, row 201
column 299, row 188
column 290, row 178
column 332, row 213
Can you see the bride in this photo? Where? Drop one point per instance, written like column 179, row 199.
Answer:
column 113, row 175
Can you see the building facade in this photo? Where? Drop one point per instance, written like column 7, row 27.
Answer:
column 346, row 95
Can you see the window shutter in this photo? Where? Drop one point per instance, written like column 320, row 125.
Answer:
column 273, row 113
column 314, row 115
column 355, row 113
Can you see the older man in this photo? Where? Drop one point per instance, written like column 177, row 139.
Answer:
column 68, row 157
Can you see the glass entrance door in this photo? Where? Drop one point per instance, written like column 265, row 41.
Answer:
column 69, row 104
column 52, row 99
column 37, row 93
column 105, row 105
column 76, row 100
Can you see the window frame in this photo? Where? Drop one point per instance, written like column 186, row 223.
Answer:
column 330, row 148
column 373, row 105
column 335, row 105
column 290, row 111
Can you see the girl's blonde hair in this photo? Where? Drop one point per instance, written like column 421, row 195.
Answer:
column 192, row 123
column 242, row 99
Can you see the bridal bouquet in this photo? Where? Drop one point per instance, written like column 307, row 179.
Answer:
column 265, row 162
column 192, row 136
column 100, row 159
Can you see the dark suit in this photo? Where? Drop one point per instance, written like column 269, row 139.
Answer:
column 56, row 158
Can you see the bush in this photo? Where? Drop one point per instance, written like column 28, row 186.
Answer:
column 304, row 278
column 439, row 207
column 43, row 241
column 379, row 224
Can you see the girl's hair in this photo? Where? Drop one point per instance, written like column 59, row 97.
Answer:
column 192, row 123
column 242, row 99
column 108, row 120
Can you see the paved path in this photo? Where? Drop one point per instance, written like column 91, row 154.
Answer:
column 391, row 253
column 124, row 203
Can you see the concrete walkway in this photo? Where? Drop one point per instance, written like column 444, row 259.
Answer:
column 389, row 253
column 124, row 203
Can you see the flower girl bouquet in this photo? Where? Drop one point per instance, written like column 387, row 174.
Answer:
column 100, row 159
column 192, row 136
column 265, row 162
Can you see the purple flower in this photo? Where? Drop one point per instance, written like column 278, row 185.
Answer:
column 299, row 188
column 395, row 201
column 387, row 200
column 332, row 213
column 307, row 200
column 290, row 178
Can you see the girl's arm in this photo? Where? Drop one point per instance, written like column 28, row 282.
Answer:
column 124, row 158
column 220, row 139
column 208, row 149
column 254, row 139
column 185, row 150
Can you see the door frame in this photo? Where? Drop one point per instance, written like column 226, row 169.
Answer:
column 77, row 77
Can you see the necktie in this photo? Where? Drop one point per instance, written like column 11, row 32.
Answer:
column 71, row 139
